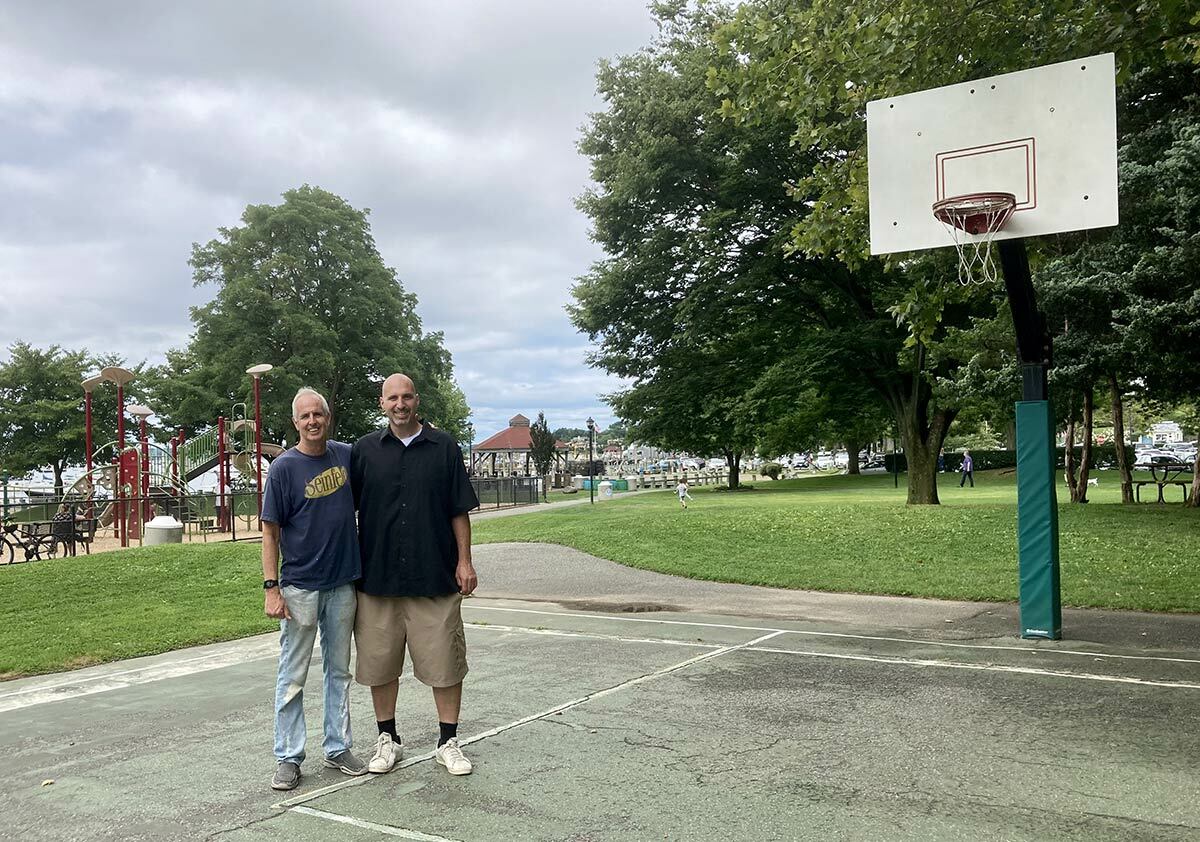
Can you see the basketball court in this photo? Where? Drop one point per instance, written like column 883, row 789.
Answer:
column 715, row 712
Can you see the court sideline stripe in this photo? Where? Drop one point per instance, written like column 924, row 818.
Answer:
column 846, row 635
column 956, row 665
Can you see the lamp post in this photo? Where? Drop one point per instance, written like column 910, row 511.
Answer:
column 141, row 413
column 88, row 385
column 120, row 376
column 470, row 428
column 591, row 465
column 257, row 371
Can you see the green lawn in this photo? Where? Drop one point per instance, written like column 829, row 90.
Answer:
column 71, row 612
column 824, row 533
column 855, row 534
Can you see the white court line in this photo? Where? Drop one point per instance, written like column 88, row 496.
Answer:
column 944, row 643
column 657, row 641
column 956, row 665
column 500, row 729
column 385, row 829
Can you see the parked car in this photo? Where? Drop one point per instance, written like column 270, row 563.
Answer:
column 824, row 461
column 716, row 463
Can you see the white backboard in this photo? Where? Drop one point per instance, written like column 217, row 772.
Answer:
column 1047, row 135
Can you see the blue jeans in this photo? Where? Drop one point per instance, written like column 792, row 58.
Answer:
column 332, row 613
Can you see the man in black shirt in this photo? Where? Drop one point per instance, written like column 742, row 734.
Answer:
column 413, row 497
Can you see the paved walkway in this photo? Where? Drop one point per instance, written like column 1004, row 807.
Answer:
column 612, row 704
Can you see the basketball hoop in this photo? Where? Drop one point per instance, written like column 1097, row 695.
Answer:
column 973, row 220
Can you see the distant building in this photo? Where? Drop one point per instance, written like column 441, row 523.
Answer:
column 1166, row 432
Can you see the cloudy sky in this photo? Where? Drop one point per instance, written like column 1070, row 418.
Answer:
column 130, row 130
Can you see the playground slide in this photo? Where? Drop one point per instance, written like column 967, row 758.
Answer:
column 246, row 464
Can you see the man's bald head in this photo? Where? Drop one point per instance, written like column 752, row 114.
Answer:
column 398, row 381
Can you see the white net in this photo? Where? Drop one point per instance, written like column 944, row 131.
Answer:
column 972, row 222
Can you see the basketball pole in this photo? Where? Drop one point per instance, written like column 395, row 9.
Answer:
column 1037, row 504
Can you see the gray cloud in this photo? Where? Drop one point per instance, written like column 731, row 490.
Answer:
column 132, row 130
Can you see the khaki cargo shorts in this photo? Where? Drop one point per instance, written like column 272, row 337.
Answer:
column 430, row 626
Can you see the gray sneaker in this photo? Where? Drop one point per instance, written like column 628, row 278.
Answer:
column 347, row 763
column 287, row 775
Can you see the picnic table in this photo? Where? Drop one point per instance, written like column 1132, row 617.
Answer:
column 1164, row 471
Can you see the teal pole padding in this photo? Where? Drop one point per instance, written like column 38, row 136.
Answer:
column 1037, row 522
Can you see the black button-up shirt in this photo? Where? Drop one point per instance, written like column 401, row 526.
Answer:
column 406, row 497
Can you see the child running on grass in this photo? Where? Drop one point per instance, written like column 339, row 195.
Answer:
column 682, row 491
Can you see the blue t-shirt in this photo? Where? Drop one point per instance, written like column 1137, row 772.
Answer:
column 310, row 498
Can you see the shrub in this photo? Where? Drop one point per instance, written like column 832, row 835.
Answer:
column 771, row 470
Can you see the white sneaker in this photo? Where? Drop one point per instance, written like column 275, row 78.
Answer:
column 387, row 752
column 452, row 757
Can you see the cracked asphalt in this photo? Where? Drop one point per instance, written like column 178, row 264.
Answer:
column 606, row 703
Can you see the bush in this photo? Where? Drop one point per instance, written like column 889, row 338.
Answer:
column 771, row 470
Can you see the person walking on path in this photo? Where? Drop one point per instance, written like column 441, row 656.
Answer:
column 682, row 491
column 308, row 512
column 968, row 469
column 413, row 496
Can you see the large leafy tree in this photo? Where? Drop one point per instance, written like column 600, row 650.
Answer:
column 696, row 214
column 302, row 285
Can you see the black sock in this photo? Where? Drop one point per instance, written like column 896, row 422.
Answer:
column 449, row 731
column 388, row 726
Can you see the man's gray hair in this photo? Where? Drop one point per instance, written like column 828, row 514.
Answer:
column 304, row 391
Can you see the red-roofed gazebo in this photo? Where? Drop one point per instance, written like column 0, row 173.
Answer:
column 504, row 450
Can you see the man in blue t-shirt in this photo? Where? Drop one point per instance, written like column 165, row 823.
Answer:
column 308, row 512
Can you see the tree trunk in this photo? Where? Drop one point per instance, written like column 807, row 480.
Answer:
column 852, row 448
column 57, row 467
column 1194, row 497
column 1085, row 458
column 733, row 460
column 1118, row 411
column 922, row 440
column 1069, row 452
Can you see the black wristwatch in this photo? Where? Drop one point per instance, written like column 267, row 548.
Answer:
column 270, row 583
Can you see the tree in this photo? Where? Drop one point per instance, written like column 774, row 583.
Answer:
column 696, row 215
column 40, row 409
column 542, row 446
column 301, row 285
column 818, row 64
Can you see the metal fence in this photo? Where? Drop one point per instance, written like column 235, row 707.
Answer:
column 43, row 525
column 497, row 492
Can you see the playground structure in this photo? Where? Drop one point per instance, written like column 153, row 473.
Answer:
column 126, row 483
